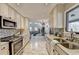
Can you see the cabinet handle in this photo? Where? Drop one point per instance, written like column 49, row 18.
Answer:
column 9, row 17
column 53, row 50
column 3, row 48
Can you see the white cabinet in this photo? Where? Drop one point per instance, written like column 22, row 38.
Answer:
column 58, row 51
column 4, row 48
column 11, row 14
column 55, row 17
column 7, row 11
column 4, row 10
column 25, row 40
column 18, row 21
column 49, row 46
column 55, row 52
column 58, row 16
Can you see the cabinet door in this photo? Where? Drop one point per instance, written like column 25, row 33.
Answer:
column 60, row 16
column 18, row 21
column 55, row 52
column 55, row 17
column 48, row 46
column 4, row 10
column 60, row 51
column 25, row 39
column 4, row 49
column 11, row 13
column 51, row 49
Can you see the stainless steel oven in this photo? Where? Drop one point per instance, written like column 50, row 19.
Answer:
column 15, row 46
column 6, row 23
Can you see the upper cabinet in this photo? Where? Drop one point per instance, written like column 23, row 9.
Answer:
column 4, row 10
column 7, row 11
column 11, row 14
column 58, row 16
column 55, row 17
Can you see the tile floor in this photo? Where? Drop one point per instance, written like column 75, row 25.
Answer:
column 37, row 46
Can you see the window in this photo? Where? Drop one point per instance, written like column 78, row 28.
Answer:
column 30, row 28
column 72, row 18
column 36, row 29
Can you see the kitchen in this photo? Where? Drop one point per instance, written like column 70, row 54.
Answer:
column 60, row 20
column 14, row 34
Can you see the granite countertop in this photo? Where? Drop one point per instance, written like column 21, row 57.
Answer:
column 2, row 43
column 69, row 51
column 9, row 38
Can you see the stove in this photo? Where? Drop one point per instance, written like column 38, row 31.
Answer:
column 15, row 43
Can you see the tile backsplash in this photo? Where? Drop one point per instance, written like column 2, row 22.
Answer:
column 57, row 30
column 6, row 32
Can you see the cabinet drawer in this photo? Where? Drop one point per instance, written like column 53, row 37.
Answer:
column 5, row 46
column 4, row 50
column 52, row 48
column 55, row 52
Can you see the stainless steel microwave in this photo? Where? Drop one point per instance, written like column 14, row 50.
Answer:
column 6, row 23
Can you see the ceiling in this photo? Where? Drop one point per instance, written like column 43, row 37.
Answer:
column 34, row 10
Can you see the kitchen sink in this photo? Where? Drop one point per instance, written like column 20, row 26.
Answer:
column 66, row 44
column 69, row 46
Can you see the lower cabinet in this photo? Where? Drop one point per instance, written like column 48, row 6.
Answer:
column 25, row 40
column 4, row 49
column 49, row 47
column 55, row 52
column 58, row 51
column 52, row 48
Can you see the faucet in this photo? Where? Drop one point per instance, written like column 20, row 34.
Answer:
column 72, row 36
